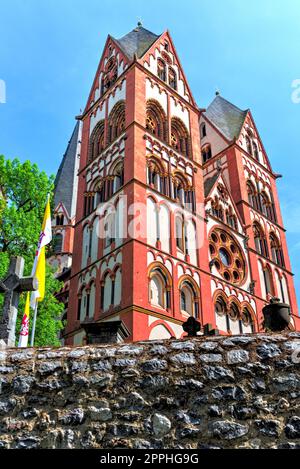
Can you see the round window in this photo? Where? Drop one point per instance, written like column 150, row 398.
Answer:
column 227, row 255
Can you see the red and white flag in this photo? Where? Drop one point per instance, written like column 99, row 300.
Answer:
column 24, row 334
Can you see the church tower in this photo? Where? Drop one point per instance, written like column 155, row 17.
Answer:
column 163, row 218
column 235, row 160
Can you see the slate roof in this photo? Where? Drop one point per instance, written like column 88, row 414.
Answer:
column 137, row 42
column 64, row 183
column 209, row 183
column 229, row 119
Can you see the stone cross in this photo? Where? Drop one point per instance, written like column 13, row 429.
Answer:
column 192, row 327
column 12, row 286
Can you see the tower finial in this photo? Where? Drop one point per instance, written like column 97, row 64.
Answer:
column 218, row 92
column 140, row 22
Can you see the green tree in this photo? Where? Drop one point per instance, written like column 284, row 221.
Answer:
column 23, row 194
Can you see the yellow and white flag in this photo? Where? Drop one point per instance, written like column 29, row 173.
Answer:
column 38, row 272
column 24, row 334
column 39, row 266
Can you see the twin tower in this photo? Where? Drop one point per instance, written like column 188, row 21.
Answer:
column 165, row 210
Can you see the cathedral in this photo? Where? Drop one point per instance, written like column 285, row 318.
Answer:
column 164, row 210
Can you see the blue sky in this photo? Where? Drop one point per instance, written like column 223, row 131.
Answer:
column 50, row 49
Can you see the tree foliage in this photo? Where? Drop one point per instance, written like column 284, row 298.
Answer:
column 23, row 194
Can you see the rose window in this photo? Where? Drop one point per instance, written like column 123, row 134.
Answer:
column 227, row 256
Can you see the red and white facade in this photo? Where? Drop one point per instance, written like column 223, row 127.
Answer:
column 173, row 217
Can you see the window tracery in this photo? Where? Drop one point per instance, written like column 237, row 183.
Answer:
column 180, row 139
column 156, row 120
column 227, row 256
column 260, row 240
column 116, row 121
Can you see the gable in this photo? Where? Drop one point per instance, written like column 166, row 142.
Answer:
column 218, row 194
column 213, row 137
column 249, row 132
column 112, row 65
column 61, row 210
column 163, row 49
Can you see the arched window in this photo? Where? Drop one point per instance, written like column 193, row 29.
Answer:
column 110, row 228
column 116, row 121
column 58, row 243
column 86, row 239
column 188, row 300
column 180, row 232
column 267, row 207
column 92, row 298
column 154, row 177
column 180, row 139
column 100, row 192
column 118, row 175
column 172, row 78
column 161, row 70
column 159, row 295
column 110, row 76
column 89, row 203
column 268, row 281
column 83, row 303
column 264, row 203
column 203, row 130
column 60, row 220
column 179, row 193
column 157, row 176
column 234, row 312
column 247, row 322
column 231, row 219
column 87, row 302
column 97, row 143
column 234, row 319
column 255, row 151
column 222, row 319
column 276, row 250
column 206, row 153
column 183, row 193
column 156, row 121
column 260, row 240
column 220, row 306
column 117, row 288
column 249, row 145
column 253, row 196
column 217, row 210
column 106, row 292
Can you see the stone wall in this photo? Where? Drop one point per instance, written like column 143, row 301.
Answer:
column 240, row 392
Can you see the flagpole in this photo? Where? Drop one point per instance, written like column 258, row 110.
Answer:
column 34, row 325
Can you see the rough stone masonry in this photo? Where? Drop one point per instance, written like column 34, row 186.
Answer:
column 238, row 392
